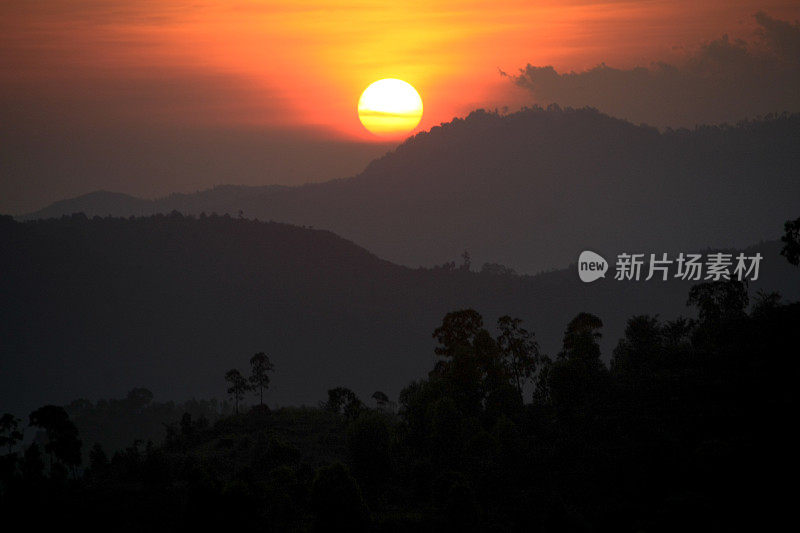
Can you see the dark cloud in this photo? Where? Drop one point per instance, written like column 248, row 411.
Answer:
column 781, row 36
column 724, row 81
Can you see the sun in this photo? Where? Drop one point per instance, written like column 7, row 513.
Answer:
column 390, row 107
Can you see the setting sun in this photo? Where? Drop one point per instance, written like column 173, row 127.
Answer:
column 390, row 107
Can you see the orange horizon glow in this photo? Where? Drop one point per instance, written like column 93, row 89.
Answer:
column 303, row 64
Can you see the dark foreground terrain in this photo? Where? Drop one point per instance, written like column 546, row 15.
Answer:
column 688, row 428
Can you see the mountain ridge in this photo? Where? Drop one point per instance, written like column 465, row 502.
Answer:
column 531, row 189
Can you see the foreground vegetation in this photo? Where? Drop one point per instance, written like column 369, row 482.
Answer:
column 689, row 427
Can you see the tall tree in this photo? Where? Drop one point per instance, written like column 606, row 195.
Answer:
column 62, row 435
column 343, row 401
column 719, row 300
column 791, row 241
column 458, row 331
column 576, row 381
column 466, row 261
column 32, row 464
column 519, row 350
column 9, row 431
column 581, row 339
column 260, row 365
column 238, row 387
column 98, row 460
column 641, row 347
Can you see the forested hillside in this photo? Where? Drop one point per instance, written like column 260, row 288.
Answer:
column 96, row 307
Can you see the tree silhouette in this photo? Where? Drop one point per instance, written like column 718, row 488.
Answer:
column 496, row 269
column 581, row 338
column 238, row 387
column 791, row 241
column 577, row 377
column 719, row 300
column 343, row 401
column 519, row 350
column 336, row 500
column 32, row 463
column 478, row 376
column 9, row 431
column 765, row 302
column 380, row 398
column 643, row 343
column 458, row 330
column 649, row 442
column 186, row 425
column 260, row 365
column 466, row 261
column 368, row 439
column 139, row 398
column 62, row 435
column 98, row 460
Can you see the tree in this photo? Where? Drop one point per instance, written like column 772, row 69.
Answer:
column 380, row 398
column 98, row 460
column 765, row 302
column 336, row 500
column 791, row 241
column 581, row 339
column 9, row 431
column 466, row 261
column 259, row 379
column 541, row 384
column 458, row 330
column 576, row 381
column 139, row 398
column 496, row 269
column 32, row 464
column 186, row 425
column 343, row 401
column 475, row 375
column 238, row 387
column 368, row 439
column 519, row 350
column 62, row 435
column 719, row 300
column 641, row 348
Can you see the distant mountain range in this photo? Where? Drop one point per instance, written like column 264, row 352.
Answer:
column 530, row 190
column 95, row 307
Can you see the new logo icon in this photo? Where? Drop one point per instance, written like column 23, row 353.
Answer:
column 591, row 266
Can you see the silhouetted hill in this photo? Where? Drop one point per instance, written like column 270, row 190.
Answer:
column 532, row 189
column 96, row 307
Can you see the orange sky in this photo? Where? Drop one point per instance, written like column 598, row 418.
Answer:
column 302, row 64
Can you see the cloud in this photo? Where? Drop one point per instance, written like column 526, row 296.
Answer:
column 781, row 35
column 724, row 81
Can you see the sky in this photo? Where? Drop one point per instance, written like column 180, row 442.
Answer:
column 152, row 97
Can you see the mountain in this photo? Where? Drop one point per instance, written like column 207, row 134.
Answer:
column 96, row 307
column 531, row 190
